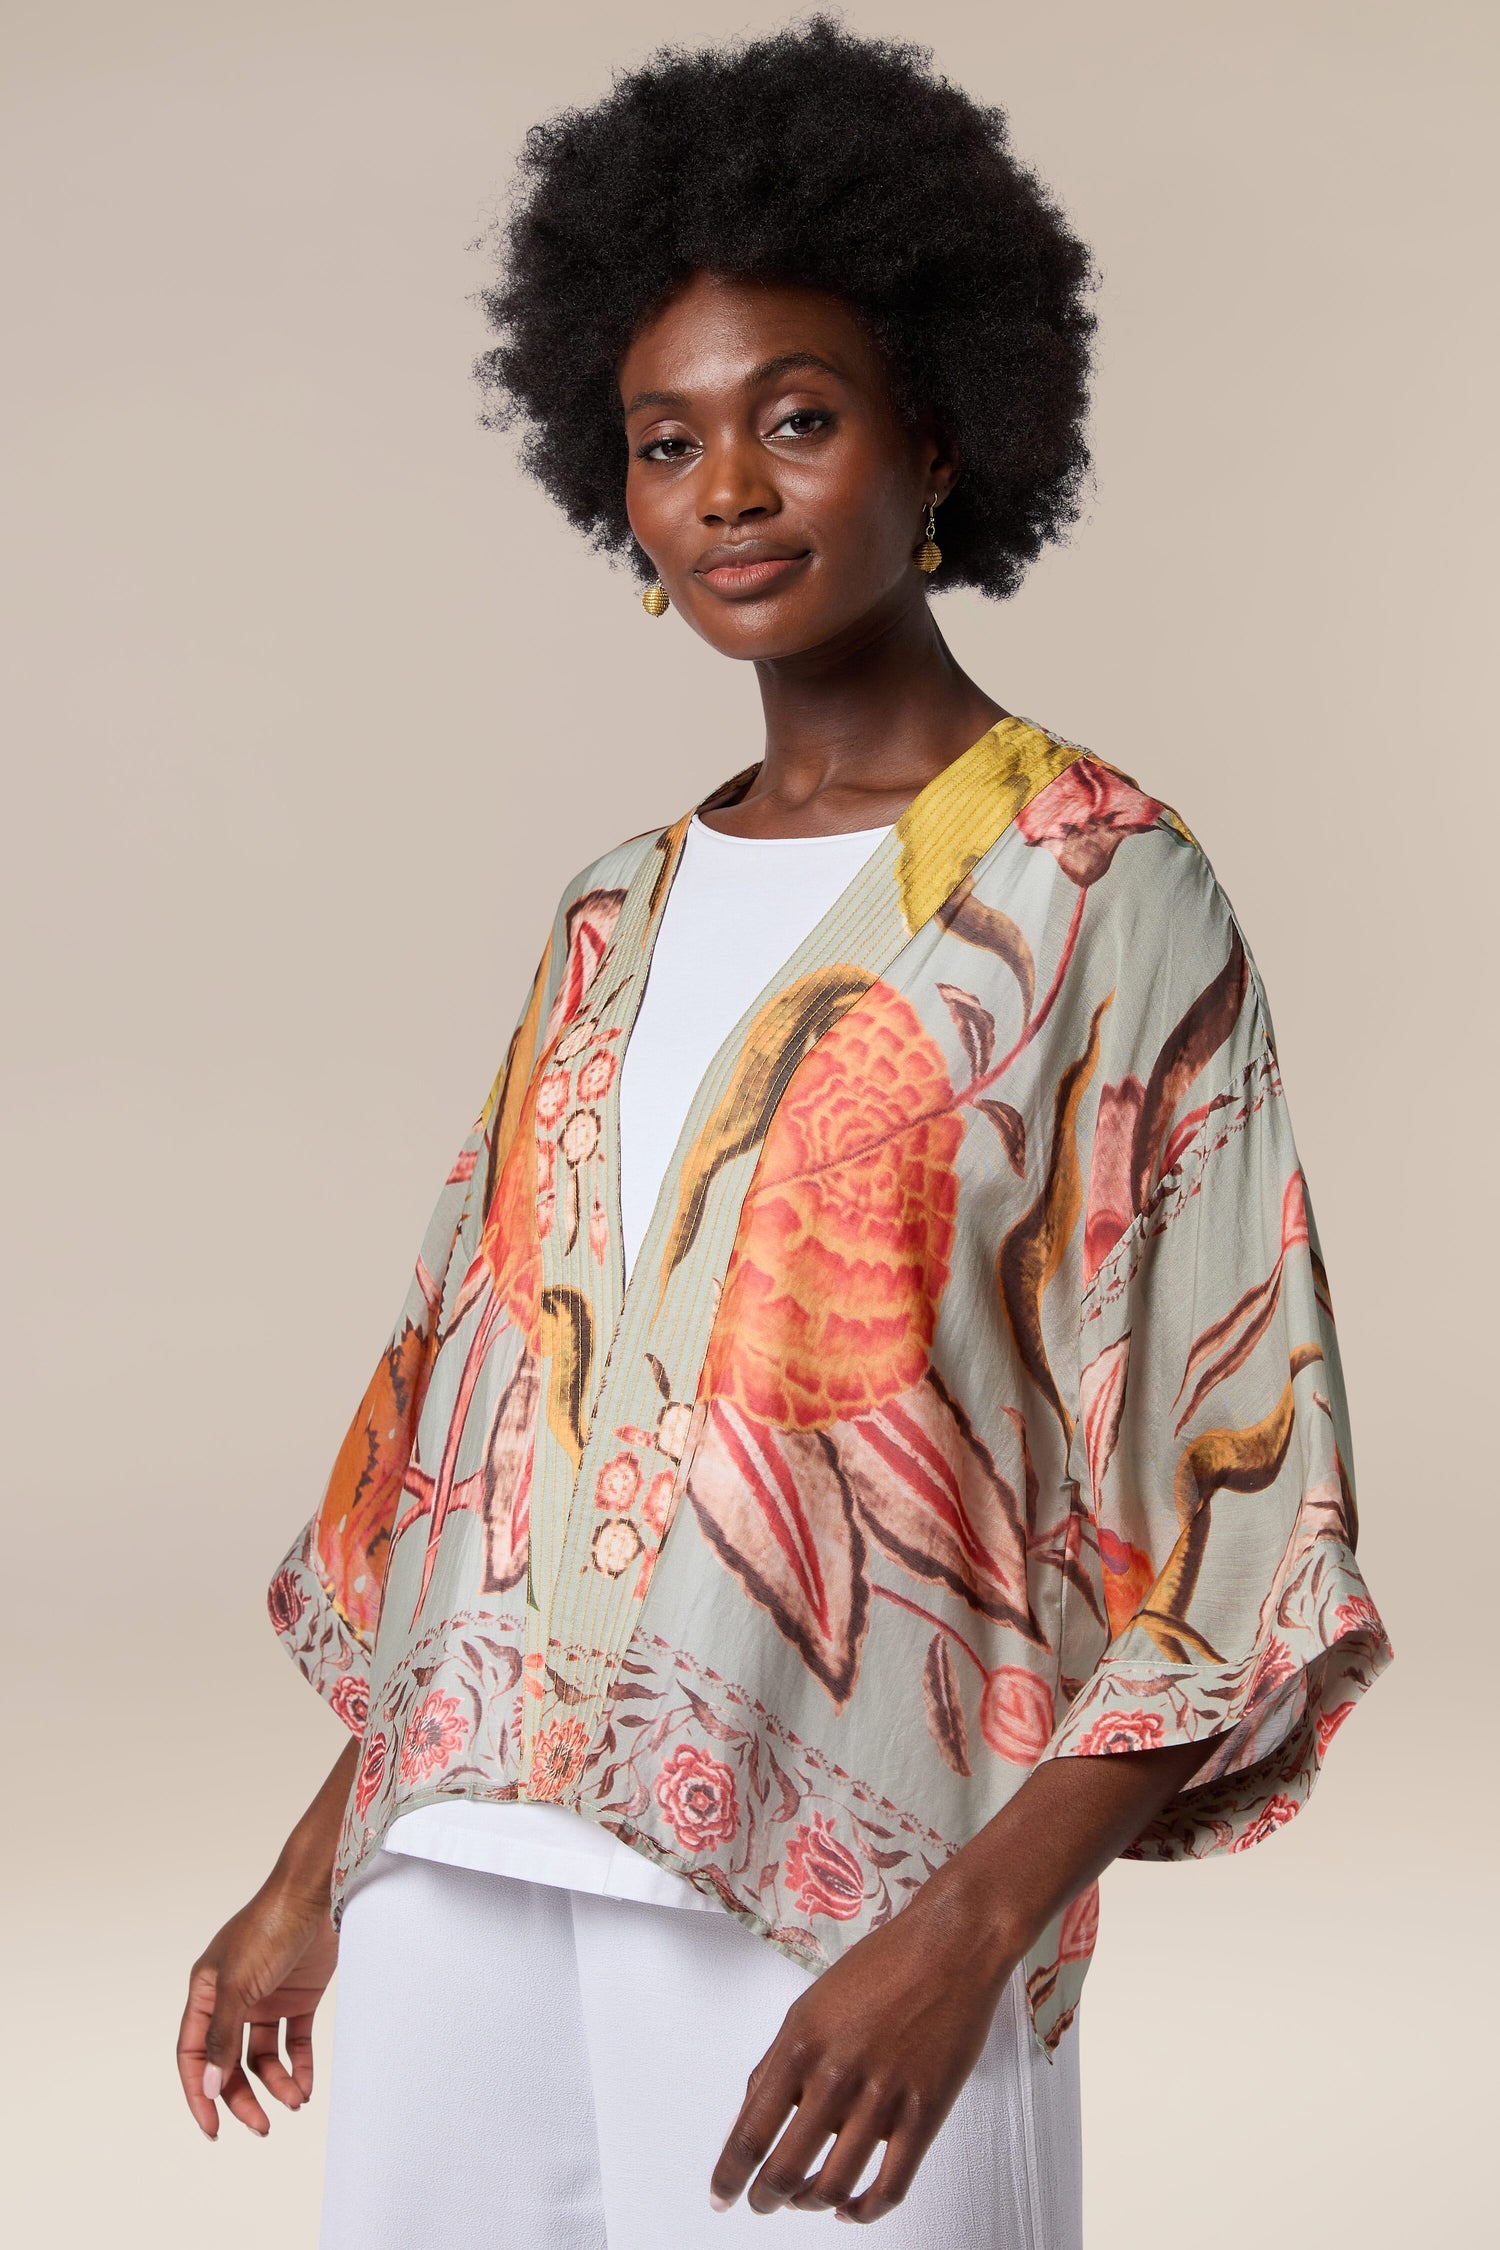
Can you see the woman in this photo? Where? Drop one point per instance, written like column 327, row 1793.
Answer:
column 864, row 1446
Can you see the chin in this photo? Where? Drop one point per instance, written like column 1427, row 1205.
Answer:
column 760, row 632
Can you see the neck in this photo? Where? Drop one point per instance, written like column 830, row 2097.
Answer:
column 855, row 729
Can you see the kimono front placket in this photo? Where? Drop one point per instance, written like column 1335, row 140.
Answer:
column 623, row 1364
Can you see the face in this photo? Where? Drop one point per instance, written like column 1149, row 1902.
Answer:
column 775, row 489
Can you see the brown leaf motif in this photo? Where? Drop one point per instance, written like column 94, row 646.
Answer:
column 784, row 1032
column 930, row 1495
column 776, row 1510
column 944, row 1707
column 1034, row 1248
column 353, row 1524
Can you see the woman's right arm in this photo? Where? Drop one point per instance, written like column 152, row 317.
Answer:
column 271, row 1963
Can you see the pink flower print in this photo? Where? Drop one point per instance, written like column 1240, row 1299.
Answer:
column 697, row 1797
column 618, row 1482
column 558, row 1759
column 574, row 1040
column 657, row 1505
column 1111, row 1205
column 1120, row 1731
column 546, row 1165
column 596, row 1077
column 615, row 1546
column 435, row 1732
column 1272, row 1816
column 580, row 1136
column 371, row 1773
column 350, row 1701
column 1328, row 1724
column 1275, row 1665
column 823, row 1875
column 552, row 1098
column 1015, row 1714
column 599, row 1231
column 1084, row 816
column 1357, row 1616
column 286, row 1601
column 546, row 1211
column 1080, row 1927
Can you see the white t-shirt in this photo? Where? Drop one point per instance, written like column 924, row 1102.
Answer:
column 739, row 907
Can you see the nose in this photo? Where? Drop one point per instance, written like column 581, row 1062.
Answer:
column 734, row 485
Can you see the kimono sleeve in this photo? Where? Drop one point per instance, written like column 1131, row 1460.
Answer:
column 1211, row 1446
column 324, row 1599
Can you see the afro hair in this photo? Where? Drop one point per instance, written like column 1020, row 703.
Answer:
column 831, row 161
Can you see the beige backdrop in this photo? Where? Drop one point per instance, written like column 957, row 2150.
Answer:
column 299, row 675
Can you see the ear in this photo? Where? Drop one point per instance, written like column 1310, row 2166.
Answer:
column 941, row 465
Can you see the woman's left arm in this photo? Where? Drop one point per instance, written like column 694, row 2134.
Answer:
column 879, row 2047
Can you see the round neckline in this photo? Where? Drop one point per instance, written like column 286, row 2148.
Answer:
column 869, row 836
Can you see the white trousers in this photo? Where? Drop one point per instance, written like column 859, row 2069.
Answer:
column 519, row 2067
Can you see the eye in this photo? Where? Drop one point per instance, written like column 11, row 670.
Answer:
column 664, row 449
column 803, row 421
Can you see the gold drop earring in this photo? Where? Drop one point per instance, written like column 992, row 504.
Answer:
column 654, row 600
column 929, row 554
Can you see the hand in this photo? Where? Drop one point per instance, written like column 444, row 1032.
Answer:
column 876, row 2050
column 271, row 1963
column 879, row 2047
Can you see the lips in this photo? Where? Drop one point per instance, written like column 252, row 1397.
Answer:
column 750, row 569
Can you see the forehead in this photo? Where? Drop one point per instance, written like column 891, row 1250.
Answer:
column 712, row 336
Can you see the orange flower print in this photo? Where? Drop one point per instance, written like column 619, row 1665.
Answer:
column 1129, row 1575
column 558, row 1758
column 435, row 1733
column 618, row 1482
column 511, row 1242
column 823, row 1874
column 697, row 1797
column 1084, row 816
column 842, row 1256
column 1015, row 1714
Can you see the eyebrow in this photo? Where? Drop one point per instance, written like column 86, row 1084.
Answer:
column 786, row 363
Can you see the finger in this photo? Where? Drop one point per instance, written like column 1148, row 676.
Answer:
column 844, row 2166
column 905, row 2149
column 299, row 2053
column 821, row 2114
column 263, row 2061
column 764, row 2110
column 224, row 2038
column 239, row 2099
column 191, row 2055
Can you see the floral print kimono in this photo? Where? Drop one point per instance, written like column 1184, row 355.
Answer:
column 974, row 1399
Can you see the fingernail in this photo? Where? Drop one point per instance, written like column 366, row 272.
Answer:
column 717, row 2202
column 213, row 2082
column 845, row 2217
